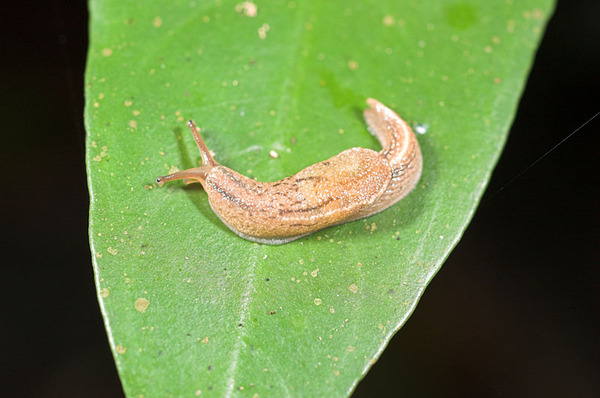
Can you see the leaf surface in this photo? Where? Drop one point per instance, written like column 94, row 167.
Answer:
column 190, row 308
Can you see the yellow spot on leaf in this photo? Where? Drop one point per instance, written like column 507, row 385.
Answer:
column 262, row 31
column 141, row 304
column 247, row 8
column 388, row 20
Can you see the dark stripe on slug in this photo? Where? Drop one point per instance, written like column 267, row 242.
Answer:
column 398, row 172
column 307, row 209
column 231, row 198
column 227, row 195
column 314, row 178
column 279, row 193
column 234, row 179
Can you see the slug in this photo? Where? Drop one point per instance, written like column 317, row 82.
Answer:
column 354, row 184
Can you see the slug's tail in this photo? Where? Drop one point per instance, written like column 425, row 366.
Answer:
column 197, row 174
column 400, row 147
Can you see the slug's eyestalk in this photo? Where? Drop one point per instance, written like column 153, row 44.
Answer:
column 197, row 174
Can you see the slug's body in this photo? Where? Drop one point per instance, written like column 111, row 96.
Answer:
column 354, row 184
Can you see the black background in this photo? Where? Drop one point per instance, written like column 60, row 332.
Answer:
column 514, row 312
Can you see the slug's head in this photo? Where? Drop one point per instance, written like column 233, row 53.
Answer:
column 197, row 174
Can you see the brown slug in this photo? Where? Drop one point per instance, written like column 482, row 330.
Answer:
column 354, row 184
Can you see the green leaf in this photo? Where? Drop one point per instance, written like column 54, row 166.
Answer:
column 190, row 308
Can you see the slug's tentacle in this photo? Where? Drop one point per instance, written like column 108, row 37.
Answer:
column 354, row 184
column 189, row 176
column 207, row 159
column 197, row 174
